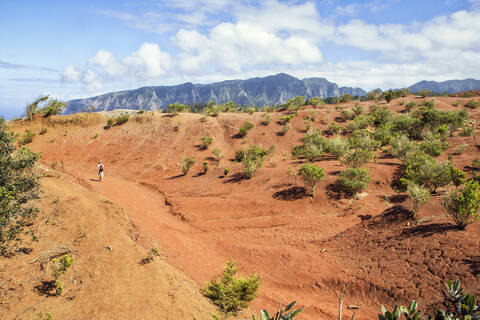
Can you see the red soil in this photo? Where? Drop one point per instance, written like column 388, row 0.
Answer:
column 303, row 248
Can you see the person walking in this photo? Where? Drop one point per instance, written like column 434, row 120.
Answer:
column 100, row 171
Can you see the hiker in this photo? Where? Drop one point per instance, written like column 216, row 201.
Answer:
column 100, row 171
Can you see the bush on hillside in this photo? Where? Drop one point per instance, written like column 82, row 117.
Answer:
column 419, row 195
column 18, row 185
column 311, row 176
column 402, row 147
column 354, row 180
column 358, row 157
column 187, row 164
column 334, row 128
column 410, row 105
column 231, row 293
column 337, row 147
column 253, row 159
column 27, row 137
column 206, row 142
column 463, row 205
column 473, row 104
column 247, row 126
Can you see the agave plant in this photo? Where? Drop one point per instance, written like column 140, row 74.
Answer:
column 282, row 314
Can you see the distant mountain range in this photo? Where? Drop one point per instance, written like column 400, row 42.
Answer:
column 276, row 89
column 449, row 86
column 270, row 90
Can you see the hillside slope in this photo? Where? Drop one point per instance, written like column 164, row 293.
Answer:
column 304, row 249
column 106, row 280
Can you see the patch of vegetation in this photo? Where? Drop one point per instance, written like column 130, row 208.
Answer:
column 51, row 107
column 205, row 167
column 311, row 176
column 27, row 137
column 43, row 131
column 247, row 126
column 316, row 102
column 60, row 267
column 463, row 205
column 267, row 120
column 253, row 159
column 231, row 293
column 217, row 152
column 459, row 306
column 206, row 142
column 226, row 171
column 118, row 121
column 467, row 132
column 472, row 104
column 151, row 254
column 460, row 149
column 281, row 314
column 356, row 158
column 419, row 195
column 295, row 103
column 337, row 147
column 176, row 108
column 410, row 105
column 187, row 163
column 334, row 128
column 354, row 180
column 18, row 185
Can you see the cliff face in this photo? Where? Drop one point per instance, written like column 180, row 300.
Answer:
column 450, row 86
column 275, row 89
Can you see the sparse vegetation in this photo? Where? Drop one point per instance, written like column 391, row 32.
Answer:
column 472, row 104
column 205, row 167
column 187, row 163
column 206, row 142
column 459, row 149
column 43, row 131
column 18, row 185
column 354, row 180
column 118, row 121
column 419, row 195
column 60, row 267
column 463, row 205
column 51, row 107
column 281, row 314
column 231, row 293
column 311, row 176
column 253, row 159
column 247, row 126
column 27, row 137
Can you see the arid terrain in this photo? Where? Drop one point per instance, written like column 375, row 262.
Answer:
column 303, row 248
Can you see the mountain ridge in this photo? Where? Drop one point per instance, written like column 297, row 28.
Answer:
column 260, row 91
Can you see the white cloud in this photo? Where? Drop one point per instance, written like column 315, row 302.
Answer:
column 148, row 62
column 70, row 74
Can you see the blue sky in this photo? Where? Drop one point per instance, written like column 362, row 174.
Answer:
column 78, row 49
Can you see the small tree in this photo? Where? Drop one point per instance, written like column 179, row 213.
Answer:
column 33, row 109
column 252, row 160
column 60, row 267
column 354, row 180
column 358, row 157
column 463, row 205
column 389, row 95
column 187, row 163
column 295, row 103
column 230, row 293
column 419, row 195
column 217, row 152
column 311, row 176
column 337, row 147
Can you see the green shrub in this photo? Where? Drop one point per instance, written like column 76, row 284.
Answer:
column 43, row 131
column 247, row 126
column 357, row 109
column 467, row 132
column 383, row 134
column 424, row 170
column 295, row 103
column 433, row 146
column 285, row 129
column 27, row 137
column 311, row 176
column 473, row 104
column 314, row 146
column 308, row 125
column 409, row 106
column 419, row 195
column 206, row 142
column 187, row 163
column 267, row 120
column 358, row 157
column 226, row 171
column 347, row 115
column 205, row 167
column 361, row 139
column 176, row 108
column 360, row 122
column 121, row 119
column 334, row 128
column 316, row 102
column 60, row 267
column 231, row 293
column 217, row 152
column 463, row 205
column 110, row 123
column 286, row 119
column 459, row 149
column 337, row 147
column 354, row 180
column 239, row 155
column 458, row 176
column 381, row 115
column 253, row 160
column 402, row 147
